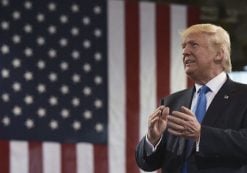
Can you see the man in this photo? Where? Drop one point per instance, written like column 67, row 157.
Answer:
column 177, row 140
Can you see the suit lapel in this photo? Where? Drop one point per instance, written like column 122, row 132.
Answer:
column 187, row 98
column 220, row 101
column 187, row 103
column 174, row 143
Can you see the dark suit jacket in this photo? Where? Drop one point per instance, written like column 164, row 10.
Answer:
column 223, row 142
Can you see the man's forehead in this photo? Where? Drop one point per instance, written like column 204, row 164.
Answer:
column 192, row 37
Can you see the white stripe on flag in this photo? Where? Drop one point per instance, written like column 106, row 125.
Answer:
column 85, row 158
column 19, row 159
column 51, row 157
column 178, row 79
column 116, row 76
column 148, row 64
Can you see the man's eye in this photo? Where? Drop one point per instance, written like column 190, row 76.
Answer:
column 194, row 44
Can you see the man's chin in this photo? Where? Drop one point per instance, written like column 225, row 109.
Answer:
column 189, row 73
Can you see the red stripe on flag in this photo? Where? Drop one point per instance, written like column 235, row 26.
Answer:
column 132, row 83
column 68, row 158
column 4, row 156
column 163, row 50
column 193, row 15
column 101, row 159
column 35, row 157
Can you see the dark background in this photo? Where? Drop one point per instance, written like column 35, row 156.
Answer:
column 230, row 14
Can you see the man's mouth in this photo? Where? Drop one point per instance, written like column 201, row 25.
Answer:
column 188, row 62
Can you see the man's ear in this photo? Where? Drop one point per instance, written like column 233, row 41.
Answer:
column 219, row 56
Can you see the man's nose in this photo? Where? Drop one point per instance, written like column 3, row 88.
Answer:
column 185, row 52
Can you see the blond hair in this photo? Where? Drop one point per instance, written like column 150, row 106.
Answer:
column 218, row 37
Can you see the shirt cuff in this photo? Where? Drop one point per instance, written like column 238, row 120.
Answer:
column 150, row 148
column 197, row 145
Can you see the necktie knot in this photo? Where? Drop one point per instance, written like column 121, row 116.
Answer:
column 204, row 89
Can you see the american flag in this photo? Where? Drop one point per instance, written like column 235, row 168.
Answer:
column 79, row 78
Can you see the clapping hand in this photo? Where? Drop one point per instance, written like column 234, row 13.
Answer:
column 157, row 124
column 184, row 123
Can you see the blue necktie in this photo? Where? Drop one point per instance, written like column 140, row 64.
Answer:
column 200, row 111
column 201, row 103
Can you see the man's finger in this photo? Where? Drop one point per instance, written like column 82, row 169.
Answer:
column 165, row 113
column 175, row 126
column 175, row 132
column 187, row 111
column 176, row 119
column 181, row 115
column 156, row 113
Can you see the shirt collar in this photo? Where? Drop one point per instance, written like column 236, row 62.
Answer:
column 214, row 84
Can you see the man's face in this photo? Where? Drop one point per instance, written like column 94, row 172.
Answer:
column 199, row 57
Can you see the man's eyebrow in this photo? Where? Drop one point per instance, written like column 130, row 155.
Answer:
column 187, row 42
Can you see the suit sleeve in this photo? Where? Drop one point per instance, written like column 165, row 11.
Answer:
column 148, row 162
